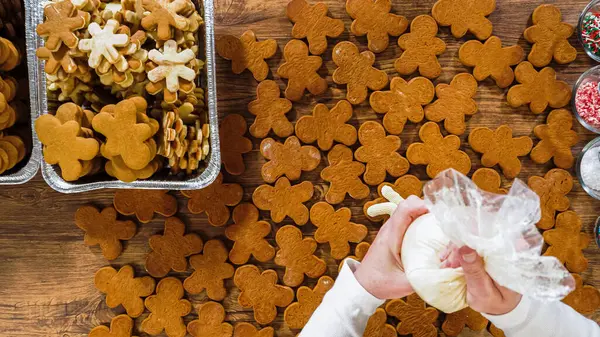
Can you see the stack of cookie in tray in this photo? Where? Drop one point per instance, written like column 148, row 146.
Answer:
column 116, row 69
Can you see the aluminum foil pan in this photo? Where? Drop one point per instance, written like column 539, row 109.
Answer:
column 39, row 106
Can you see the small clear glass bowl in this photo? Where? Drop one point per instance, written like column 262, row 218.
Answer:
column 592, row 75
column 592, row 6
column 594, row 144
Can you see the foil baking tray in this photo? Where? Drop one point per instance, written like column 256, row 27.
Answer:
column 161, row 180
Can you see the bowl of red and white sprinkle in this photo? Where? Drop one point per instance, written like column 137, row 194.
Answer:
column 586, row 99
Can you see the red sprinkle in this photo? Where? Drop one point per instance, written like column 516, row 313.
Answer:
column 587, row 103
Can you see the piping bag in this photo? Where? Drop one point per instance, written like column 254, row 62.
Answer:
column 501, row 228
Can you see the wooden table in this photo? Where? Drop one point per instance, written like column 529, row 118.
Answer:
column 46, row 273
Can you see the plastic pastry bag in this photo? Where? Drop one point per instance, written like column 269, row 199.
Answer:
column 501, row 228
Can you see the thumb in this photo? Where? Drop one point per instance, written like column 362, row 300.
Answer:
column 479, row 283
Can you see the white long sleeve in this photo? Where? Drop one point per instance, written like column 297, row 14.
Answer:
column 555, row 319
column 347, row 307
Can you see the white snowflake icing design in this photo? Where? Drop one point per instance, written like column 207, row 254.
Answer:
column 171, row 65
column 103, row 43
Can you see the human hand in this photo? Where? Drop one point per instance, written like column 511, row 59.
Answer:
column 381, row 272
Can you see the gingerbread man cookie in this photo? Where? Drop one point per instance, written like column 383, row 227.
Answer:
column 214, row 200
column 334, row 227
column 122, row 288
column 210, row 322
column 120, row 326
column 167, row 309
column 233, row 143
column 380, row 153
column 144, row 203
column 403, row 102
column 326, row 126
column 60, row 59
column 357, row 72
column 360, row 252
column 103, row 229
column 300, row 69
column 556, row 140
column 298, row 313
column 270, row 110
column 283, row 200
column 438, row 152
column 567, row 242
column 552, row 190
column 62, row 19
column 465, row 16
column 550, row 37
column 584, row 299
column 405, row 186
column 210, row 271
column 538, row 89
column 248, row 236
column 374, row 20
column 169, row 251
column 454, row 102
column 415, row 318
column 297, row 256
column 261, row 292
column 288, row 159
column 455, row 322
column 421, row 49
column 247, row 53
column 500, row 148
column 491, row 59
column 311, row 22
column 377, row 325
column 488, row 180
column 164, row 17
column 248, row 330
column 343, row 175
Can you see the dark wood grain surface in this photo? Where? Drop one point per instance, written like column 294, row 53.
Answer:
column 46, row 273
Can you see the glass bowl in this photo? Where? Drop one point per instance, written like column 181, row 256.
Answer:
column 592, row 75
column 592, row 9
column 590, row 152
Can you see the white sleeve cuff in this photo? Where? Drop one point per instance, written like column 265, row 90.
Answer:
column 515, row 318
column 348, row 290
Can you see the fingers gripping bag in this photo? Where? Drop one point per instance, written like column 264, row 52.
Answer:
column 501, row 228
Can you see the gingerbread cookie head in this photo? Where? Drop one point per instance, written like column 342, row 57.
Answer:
column 247, row 53
column 491, row 59
column 103, row 229
column 261, row 292
column 455, row 322
column 439, row 153
column 356, row 71
column 210, row 322
column 584, row 299
column 334, row 227
column 343, row 175
column 567, row 242
column 380, row 153
column 62, row 19
column 248, row 236
column 248, row 330
column 270, row 110
column 455, row 102
column 404, row 102
column 288, row 159
column 298, row 313
column 405, row 186
column 326, row 126
column 377, row 325
column 415, row 318
column 556, row 140
column 214, row 200
column 297, row 256
column 120, row 326
column 500, row 148
column 167, row 309
column 300, row 69
column 374, row 20
column 552, row 190
column 169, row 251
column 421, row 48
column 465, row 16
column 122, row 288
column 538, row 89
column 488, row 180
column 311, row 22
column 233, row 143
column 210, row 271
column 550, row 37
column 144, row 203
column 283, row 200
